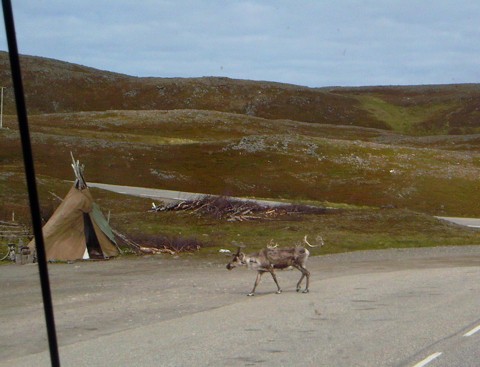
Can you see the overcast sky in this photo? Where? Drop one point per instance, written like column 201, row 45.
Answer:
column 314, row 43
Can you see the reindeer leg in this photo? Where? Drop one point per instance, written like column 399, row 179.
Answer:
column 307, row 274
column 259, row 276
column 299, row 284
column 276, row 282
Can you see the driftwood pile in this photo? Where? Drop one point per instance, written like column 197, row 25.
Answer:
column 168, row 244
column 13, row 230
column 144, row 244
column 236, row 210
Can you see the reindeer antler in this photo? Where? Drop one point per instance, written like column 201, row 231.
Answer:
column 239, row 245
column 319, row 239
column 305, row 240
column 272, row 244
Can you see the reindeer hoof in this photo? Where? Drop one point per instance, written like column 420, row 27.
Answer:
column 298, row 289
column 279, row 291
column 306, row 291
column 250, row 294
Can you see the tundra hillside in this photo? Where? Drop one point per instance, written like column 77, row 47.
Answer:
column 414, row 150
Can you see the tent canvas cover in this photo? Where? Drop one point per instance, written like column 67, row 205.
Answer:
column 78, row 230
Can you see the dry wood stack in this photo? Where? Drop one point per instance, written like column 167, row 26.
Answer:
column 13, row 230
column 233, row 210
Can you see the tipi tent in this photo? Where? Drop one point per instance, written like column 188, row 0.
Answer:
column 77, row 228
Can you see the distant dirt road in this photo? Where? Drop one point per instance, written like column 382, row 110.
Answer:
column 158, row 194
column 469, row 222
column 167, row 195
column 372, row 308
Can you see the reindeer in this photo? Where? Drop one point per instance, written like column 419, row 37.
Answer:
column 271, row 258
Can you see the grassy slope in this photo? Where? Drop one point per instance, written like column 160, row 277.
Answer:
column 257, row 157
column 422, row 110
column 223, row 153
column 255, row 144
column 55, row 86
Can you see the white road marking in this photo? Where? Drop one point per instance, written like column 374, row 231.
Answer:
column 428, row 359
column 473, row 331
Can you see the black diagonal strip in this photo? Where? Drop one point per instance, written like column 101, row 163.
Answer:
column 30, row 176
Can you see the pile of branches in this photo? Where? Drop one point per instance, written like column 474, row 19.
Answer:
column 142, row 244
column 235, row 210
column 154, row 244
column 12, row 231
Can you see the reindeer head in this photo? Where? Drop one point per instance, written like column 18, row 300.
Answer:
column 238, row 259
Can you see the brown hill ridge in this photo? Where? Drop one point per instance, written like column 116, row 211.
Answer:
column 55, row 86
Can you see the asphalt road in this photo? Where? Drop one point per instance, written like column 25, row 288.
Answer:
column 416, row 307
column 469, row 222
column 158, row 194
column 165, row 195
